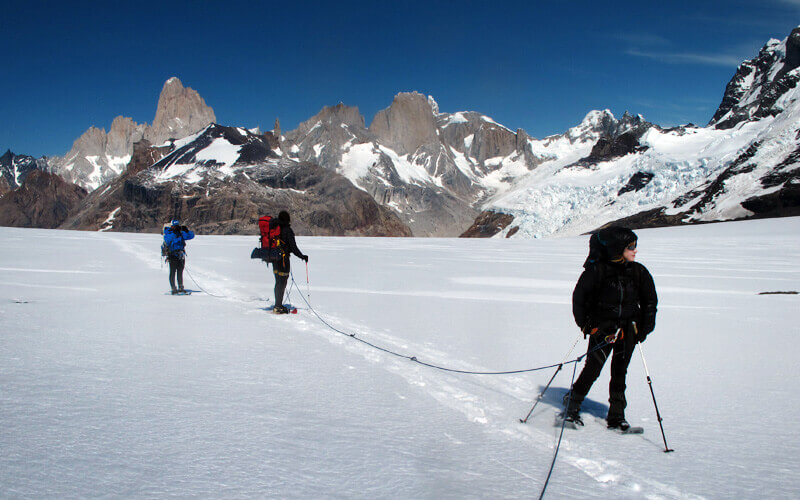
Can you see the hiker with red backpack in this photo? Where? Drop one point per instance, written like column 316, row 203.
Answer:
column 614, row 304
column 277, row 243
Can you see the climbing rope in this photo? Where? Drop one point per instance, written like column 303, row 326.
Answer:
column 561, row 435
column 431, row 365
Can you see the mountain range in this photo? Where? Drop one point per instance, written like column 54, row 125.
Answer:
column 415, row 170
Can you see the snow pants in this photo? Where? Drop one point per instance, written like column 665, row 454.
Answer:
column 176, row 265
column 621, row 352
column 281, row 270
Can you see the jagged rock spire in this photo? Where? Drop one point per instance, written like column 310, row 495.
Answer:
column 181, row 112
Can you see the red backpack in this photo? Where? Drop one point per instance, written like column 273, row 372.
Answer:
column 270, row 232
column 271, row 245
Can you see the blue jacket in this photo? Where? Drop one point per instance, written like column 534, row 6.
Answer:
column 177, row 242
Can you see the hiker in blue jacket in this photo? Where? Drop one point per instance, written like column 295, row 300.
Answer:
column 175, row 237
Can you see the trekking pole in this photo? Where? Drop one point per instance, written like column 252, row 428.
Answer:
column 308, row 284
column 541, row 395
column 667, row 449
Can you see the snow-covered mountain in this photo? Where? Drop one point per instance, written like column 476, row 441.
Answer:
column 430, row 167
column 15, row 168
column 220, row 180
column 757, row 86
column 444, row 174
column 436, row 169
column 745, row 163
column 97, row 157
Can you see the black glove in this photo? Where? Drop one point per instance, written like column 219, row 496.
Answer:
column 642, row 330
column 305, row 258
column 184, row 229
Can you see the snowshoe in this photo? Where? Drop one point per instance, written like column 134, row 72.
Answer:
column 623, row 427
column 570, row 421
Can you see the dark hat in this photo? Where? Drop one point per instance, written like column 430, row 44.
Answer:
column 283, row 217
column 608, row 244
column 615, row 239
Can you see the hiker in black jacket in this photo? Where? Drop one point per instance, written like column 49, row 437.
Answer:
column 614, row 302
column 282, row 267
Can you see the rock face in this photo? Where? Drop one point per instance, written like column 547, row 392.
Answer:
column 756, row 89
column 488, row 224
column 225, row 192
column 408, row 124
column 181, row 112
column 97, row 157
column 43, row 200
column 14, row 169
column 617, row 138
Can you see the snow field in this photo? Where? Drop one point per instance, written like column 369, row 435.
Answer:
column 112, row 388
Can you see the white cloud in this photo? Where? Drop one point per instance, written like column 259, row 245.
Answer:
column 689, row 58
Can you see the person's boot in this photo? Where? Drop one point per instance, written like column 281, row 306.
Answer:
column 280, row 310
column 616, row 413
column 572, row 408
column 618, row 423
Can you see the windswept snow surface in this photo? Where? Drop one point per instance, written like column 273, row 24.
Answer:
column 112, row 388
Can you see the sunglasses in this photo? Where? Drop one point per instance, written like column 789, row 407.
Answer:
column 631, row 247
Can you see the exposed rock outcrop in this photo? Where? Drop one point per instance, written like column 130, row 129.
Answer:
column 407, row 124
column 181, row 112
column 15, row 168
column 488, row 224
column 43, row 200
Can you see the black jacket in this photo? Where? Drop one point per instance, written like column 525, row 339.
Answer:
column 288, row 243
column 609, row 295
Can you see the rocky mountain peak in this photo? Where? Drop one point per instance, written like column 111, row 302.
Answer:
column 755, row 90
column 180, row 112
column 91, row 143
column 336, row 116
column 14, row 169
column 124, row 132
column 97, row 156
column 407, row 124
column 595, row 124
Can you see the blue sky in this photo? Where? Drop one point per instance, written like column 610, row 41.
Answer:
column 539, row 66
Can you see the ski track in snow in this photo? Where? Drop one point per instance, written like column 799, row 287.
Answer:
column 450, row 390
